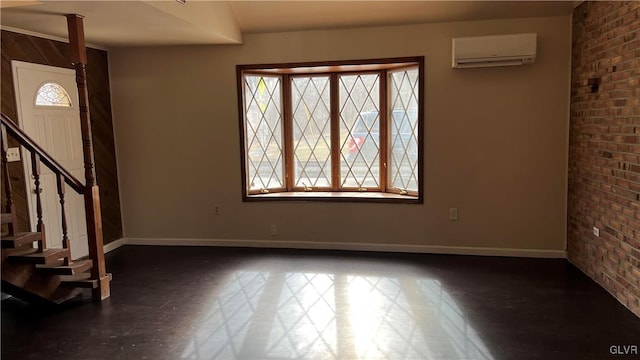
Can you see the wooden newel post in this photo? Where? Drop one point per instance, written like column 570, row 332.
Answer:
column 91, row 191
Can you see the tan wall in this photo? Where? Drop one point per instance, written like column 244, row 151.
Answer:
column 496, row 141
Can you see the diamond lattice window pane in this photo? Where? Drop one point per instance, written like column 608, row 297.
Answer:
column 52, row 94
column 264, row 143
column 359, row 130
column 311, row 131
column 403, row 159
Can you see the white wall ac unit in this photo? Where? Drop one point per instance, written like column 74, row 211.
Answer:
column 490, row 51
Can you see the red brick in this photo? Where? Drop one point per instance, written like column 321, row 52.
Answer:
column 604, row 150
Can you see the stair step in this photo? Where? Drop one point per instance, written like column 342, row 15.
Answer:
column 47, row 257
column 79, row 281
column 19, row 239
column 6, row 218
column 57, row 267
column 24, row 250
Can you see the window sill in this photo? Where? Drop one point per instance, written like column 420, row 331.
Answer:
column 343, row 196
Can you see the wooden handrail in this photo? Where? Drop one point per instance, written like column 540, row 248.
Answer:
column 90, row 189
column 33, row 147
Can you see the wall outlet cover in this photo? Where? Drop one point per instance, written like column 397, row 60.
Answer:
column 13, row 154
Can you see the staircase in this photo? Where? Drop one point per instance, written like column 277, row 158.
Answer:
column 30, row 270
column 40, row 277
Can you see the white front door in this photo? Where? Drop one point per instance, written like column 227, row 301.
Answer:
column 47, row 99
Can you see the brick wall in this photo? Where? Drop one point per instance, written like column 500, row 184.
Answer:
column 604, row 150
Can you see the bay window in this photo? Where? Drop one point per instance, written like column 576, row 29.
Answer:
column 333, row 130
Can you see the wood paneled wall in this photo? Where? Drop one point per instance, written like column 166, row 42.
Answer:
column 37, row 50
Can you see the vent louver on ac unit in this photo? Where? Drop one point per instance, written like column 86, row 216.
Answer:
column 493, row 51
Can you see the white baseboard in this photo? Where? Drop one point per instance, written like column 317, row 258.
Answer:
column 425, row 249
column 114, row 245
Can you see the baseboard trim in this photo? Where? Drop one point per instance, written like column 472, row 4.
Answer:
column 114, row 245
column 426, row 249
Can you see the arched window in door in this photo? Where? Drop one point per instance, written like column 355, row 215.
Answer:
column 52, row 94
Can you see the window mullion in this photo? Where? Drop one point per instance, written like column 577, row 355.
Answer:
column 288, row 131
column 384, row 139
column 420, row 128
column 335, row 132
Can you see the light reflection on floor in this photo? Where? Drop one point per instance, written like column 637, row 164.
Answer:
column 262, row 315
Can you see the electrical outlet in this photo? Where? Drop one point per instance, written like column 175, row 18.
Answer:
column 13, row 154
column 596, row 231
column 217, row 209
column 274, row 230
column 453, row 214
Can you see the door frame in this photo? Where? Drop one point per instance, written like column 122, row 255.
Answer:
column 26, row 161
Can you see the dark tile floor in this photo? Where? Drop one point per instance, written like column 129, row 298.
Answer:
column 214, row 303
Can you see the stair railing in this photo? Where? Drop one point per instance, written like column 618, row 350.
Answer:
column 89, row 189
column 63, row 178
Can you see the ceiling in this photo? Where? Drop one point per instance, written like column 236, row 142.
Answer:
column 147, row 23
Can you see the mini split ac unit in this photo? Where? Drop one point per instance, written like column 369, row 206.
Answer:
column 491, row 51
